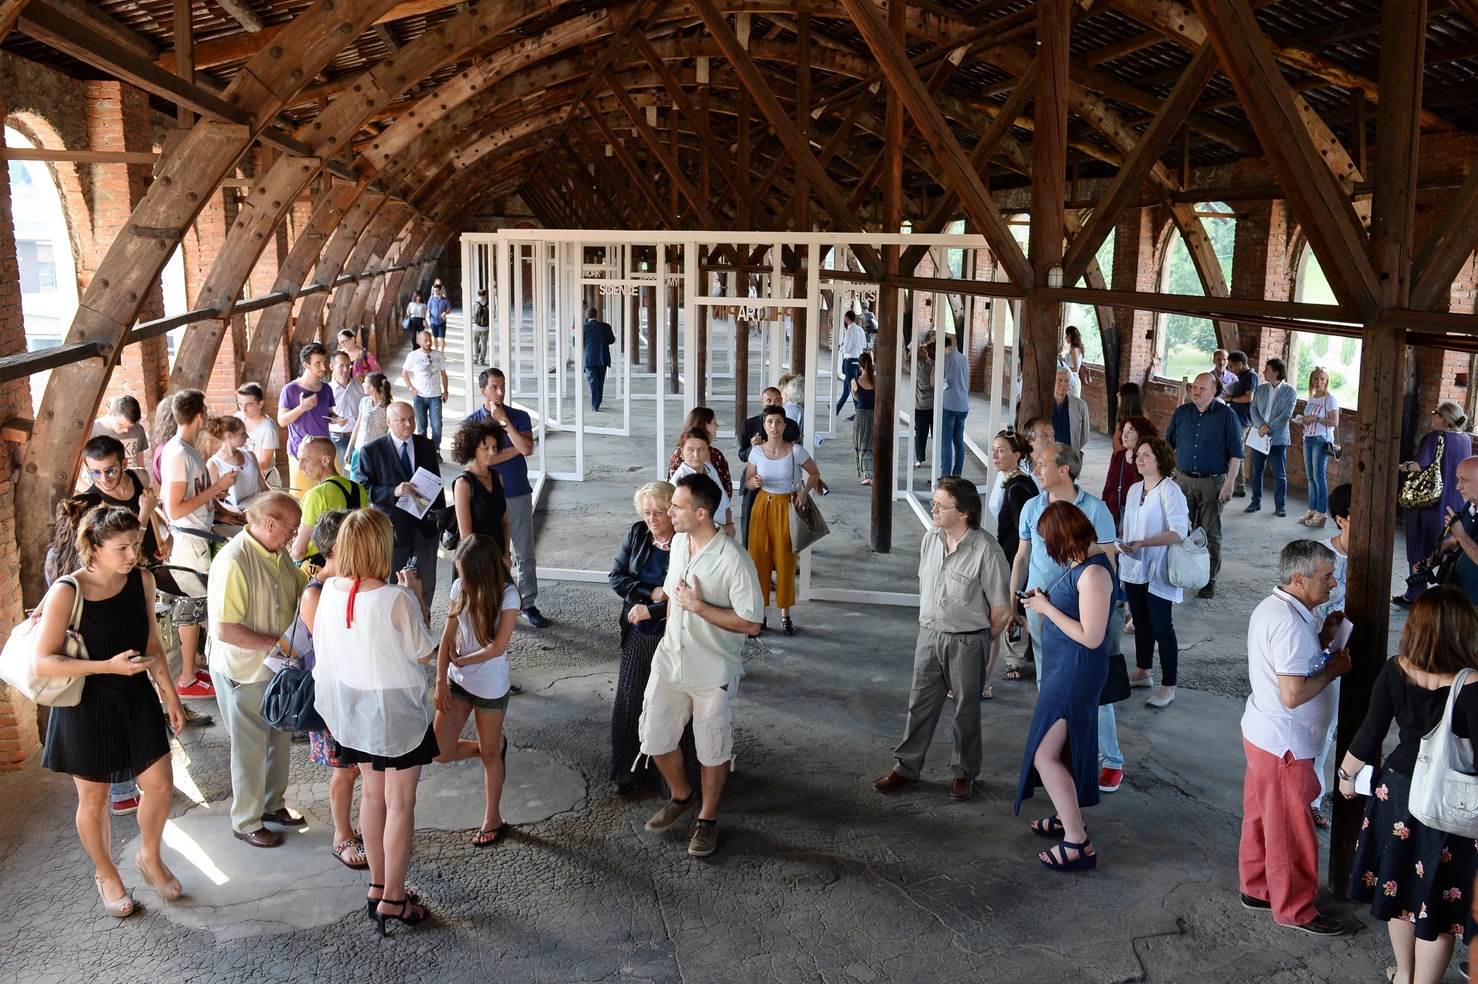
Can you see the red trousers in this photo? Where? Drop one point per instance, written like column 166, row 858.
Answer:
column 1279, row 857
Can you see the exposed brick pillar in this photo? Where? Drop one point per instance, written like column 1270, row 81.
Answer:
column 19, row 740
column 119, row 118
column 1134, row 269
column 1260, row 271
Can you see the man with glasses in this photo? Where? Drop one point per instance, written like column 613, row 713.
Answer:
column 963, row 605
column 252, row 598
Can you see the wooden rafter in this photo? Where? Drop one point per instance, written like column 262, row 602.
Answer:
column 1330, row 221
column 655, row 149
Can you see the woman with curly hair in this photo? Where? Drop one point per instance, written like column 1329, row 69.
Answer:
column 477, row 493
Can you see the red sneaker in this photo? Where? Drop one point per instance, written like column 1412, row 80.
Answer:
column 1109, row 780
column 127, row 807
column 202, row 687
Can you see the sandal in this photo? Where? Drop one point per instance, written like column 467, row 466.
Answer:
column 1016, row 673
column 1056, row 857
column 410, row 913
column 371, row 902
column 169, row 890
column 487, row 838
column 1320, row 819
column 350, row 853
column 118, row 908
column 986, row 694
column 1048, row 826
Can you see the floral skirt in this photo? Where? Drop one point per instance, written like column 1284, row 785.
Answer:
column 1408, row 871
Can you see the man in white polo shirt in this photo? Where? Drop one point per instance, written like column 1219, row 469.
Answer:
column 1287, row 716
column 715, row 596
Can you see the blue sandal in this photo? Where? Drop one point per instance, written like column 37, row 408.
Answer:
column 1056, row 857
column 1048, row 826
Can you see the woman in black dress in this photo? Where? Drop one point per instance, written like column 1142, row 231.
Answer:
column 1417, row 879
column 1011, row 456
column 637, row 576
column 118, row 730
column 477, row 493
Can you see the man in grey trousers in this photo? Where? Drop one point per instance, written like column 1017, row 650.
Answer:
column 964, row 585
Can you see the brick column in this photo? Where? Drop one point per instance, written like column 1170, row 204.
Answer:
column 19, row 741
column 1260, row 271
column 119, row 118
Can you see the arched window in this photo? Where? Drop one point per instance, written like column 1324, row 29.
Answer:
column 47, row 272
column 1085, row 316
column 1184, row 344
column 1340, row 357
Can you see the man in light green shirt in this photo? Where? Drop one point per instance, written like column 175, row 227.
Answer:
column 964, row 586
column 716, row 602
column 332, row 491
column 252, row 598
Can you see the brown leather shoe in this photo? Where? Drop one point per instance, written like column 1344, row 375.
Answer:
column 961, row 789
column 261, row 837
column 891, row 782
column 284, row 818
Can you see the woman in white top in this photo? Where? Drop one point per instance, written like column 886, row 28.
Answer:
column 415, row 315
column 262, row 435
column 696, row 453
column 781, row 473
column 370, row 422
column 369, row 639
column 1155, row 516
column 229, row 434
column 472, row 669
column 1321, row 425
column 1072, row 359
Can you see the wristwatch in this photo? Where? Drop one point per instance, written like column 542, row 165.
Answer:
column 1344, row 775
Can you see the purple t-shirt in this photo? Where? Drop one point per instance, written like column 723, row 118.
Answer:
column 314, row 423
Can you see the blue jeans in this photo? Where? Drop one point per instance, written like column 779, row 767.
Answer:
column 596, row 377
column 428, row 410
column 341, row 441
column 849, row 373
column 952, row 442
column 1316, row 459
column 1278, row 455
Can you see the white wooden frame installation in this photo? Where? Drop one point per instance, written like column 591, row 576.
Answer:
column 551, row 267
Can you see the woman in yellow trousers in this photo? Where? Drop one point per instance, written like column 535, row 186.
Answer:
column 781, row 473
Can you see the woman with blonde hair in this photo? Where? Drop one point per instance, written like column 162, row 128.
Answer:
column 1321, row 429
column 1416, row 878
column 117, row 731
column 369, row 642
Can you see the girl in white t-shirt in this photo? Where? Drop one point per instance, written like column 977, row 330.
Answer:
column 472, row 669
column 229, row 434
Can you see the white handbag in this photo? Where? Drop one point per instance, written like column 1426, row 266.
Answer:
column 1444, row 788
column 1188, row 563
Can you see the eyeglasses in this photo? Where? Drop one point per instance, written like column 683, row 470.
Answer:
column 112, row 472
column 653, row 513
column 293, row 529
column 939, row 507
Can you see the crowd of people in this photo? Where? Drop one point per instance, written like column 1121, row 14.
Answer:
column 340, row 571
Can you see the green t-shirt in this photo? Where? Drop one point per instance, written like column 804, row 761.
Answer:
column 334, row 492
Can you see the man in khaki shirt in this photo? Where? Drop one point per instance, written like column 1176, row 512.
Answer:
column 963, row 587
column 252, row 596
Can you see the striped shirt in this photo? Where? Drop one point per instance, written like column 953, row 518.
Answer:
column 1283, row 639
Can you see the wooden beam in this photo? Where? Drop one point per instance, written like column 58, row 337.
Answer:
column 387, row 37
column 1125, row 186
column 760, row 91
column 87, row 44
column 242, row 14
column 905, row 81
column 1333, row 227
column 890, row 329
column 184, row 55
column 76, row 156
column 10, row 12
column 25, row 364
column 633, row 170
column 1447, row 248
column 654, row 147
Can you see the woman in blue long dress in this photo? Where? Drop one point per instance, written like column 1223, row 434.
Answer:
column 1424, row 526
column 1062, row 744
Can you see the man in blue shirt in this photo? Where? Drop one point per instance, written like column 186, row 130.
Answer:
column 1057, row 468
column 598, row 341
column 955, row 403
column 513, row 469
column 436, row 310
column 1239, row 397
column 1207, row 438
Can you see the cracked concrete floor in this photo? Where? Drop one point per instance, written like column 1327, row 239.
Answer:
column 817, row 878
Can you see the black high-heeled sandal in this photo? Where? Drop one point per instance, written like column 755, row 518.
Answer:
column 370, row 901
column 405, row 916
column 786, row 625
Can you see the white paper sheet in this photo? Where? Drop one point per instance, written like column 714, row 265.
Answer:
column 428, row 487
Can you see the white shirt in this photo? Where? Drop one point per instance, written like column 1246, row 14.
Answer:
column 249, row 481
column 695, row 654
column 346, row 404
column 1165, row 508
column 425, row 369
column 780, row 476
column 180, row 462
column 1320, row 406
column 264, row 435
column 722, row 517
column 1283, row 638
column 854, row 341
column 488, row 679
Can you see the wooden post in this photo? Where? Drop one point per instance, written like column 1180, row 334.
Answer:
column 650, row 293
column 741, row 353
column 700, row 361
column 674, row 365
column 885, row 346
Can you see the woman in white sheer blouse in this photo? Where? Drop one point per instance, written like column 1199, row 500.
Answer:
column 370, row 641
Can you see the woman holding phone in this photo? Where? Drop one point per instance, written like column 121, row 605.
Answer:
column 117, row 731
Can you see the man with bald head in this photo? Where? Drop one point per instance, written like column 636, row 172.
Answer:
column 386, row 465
column 1207, row 438
column 252, row 596
column 1464, row 535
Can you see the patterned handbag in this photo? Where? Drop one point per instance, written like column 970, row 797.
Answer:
column 1424, row 489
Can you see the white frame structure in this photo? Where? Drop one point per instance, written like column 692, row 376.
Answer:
column 551, row 269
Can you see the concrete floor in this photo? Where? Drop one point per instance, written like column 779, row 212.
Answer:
column 817, row 877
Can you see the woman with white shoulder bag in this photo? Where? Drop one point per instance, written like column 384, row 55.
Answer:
column 1156, row 516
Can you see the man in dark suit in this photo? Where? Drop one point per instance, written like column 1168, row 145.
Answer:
column 386, row 465
column 598, row 341
column 753, row 433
